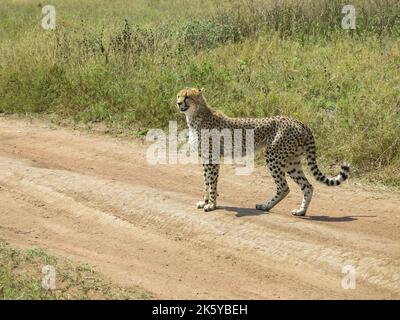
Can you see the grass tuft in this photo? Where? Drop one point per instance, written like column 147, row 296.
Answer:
column 21, row 278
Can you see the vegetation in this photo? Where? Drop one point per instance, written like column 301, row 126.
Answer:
column 122, row 65
column 21, row 278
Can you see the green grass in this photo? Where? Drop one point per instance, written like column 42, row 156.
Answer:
column 122, row 65
column 21, row 278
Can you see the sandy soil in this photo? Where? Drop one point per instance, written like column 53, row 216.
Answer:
column 95, row 199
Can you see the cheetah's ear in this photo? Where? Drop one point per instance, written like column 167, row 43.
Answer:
column 201, row 90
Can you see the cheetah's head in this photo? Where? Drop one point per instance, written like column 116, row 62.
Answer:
column 189, row 99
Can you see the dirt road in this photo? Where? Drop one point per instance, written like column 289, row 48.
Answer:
column 94, row 198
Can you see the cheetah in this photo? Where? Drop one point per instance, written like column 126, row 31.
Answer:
column 284, row 139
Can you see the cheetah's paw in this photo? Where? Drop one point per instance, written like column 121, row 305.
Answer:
column 201, row 204
column 210, row 207
column 263, row 207
column 299, row 212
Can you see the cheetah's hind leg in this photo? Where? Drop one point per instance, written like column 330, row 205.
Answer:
column 282, row 188
column 297, row 174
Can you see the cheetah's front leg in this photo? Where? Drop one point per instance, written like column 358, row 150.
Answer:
column 202, row 203
column 211, row 172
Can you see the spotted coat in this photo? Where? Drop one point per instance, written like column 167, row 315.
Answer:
column 285, row 141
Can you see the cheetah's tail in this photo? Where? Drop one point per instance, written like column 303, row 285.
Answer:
column 318, row 175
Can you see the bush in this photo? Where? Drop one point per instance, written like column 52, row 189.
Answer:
column 254, row 59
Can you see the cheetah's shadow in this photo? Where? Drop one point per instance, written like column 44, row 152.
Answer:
column 246, row 212
column 243, row 212
column 334, row 219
